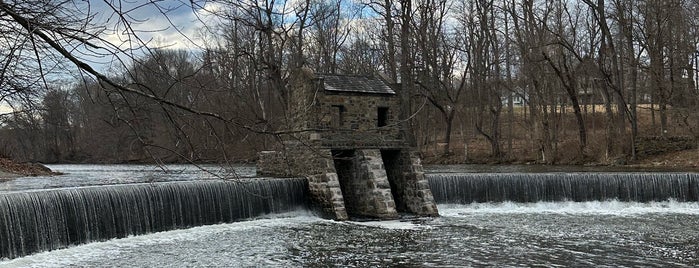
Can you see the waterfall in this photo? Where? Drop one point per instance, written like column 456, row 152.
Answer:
column 579, row 187
column 36, row 221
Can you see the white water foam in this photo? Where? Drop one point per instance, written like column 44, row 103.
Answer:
column 78, row 255
column 592, row 207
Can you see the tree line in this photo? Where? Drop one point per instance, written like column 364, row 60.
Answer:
column 542, row 80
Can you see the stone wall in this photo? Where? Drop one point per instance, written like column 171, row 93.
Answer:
column 364, row 184
column 272, row 163
column 302, row 103
column 317, row 166
column 361, row 111
column 315, row 115
column 410, row 188
column 359, row 124
column 324, row 188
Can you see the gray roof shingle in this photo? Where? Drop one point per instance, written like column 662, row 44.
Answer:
column 355, row 83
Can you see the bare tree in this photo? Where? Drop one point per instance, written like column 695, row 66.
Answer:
column 390, row 14
column 329, row 33
column 468, row 59
column 437, row 56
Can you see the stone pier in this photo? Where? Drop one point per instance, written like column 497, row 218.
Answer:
column 364, row 183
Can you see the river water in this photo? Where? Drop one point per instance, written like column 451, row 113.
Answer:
column 595, row 233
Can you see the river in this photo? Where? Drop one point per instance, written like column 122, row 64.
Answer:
column 560, row 233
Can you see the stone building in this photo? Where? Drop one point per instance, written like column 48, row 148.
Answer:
column 348, row 143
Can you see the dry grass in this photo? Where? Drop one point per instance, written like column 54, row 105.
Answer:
column 525, row 147
column 10, row 168
column 682, row 159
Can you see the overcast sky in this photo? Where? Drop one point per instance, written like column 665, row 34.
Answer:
column 160, row 23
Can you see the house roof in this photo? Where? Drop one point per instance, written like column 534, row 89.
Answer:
column 355, row 84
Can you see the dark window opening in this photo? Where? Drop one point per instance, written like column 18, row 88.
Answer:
column 338, row 116
column 382, row 117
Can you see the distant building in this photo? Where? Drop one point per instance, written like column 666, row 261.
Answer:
column 519, row 97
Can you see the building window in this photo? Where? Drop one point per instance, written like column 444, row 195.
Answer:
column 382, row 117
column 338, row 116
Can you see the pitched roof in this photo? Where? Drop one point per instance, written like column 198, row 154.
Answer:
column 355, row 83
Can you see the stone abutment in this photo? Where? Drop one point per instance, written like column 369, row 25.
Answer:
column 357, row 183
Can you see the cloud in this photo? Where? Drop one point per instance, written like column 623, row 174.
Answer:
column 168, row 23
column 131, row 28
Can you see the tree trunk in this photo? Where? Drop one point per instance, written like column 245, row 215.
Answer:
column 609, row 125
column 495, row 141
column 582, row 132
column 449, row 119
column 406, row 72
column 663, row 117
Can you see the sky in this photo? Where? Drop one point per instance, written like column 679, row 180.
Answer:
column 173, row 24
column 159, row 22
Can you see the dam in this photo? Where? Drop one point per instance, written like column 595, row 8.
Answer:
column 116, row 215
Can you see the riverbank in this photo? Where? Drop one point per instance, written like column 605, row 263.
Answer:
column 10, row 169
column 676, row 160
column 688, row 159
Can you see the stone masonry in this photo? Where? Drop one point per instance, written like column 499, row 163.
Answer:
column 348, row 144
column 297, row 160
column 364, row 183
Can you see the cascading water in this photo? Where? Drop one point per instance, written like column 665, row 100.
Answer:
column 33, row 221
column 535, row 187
